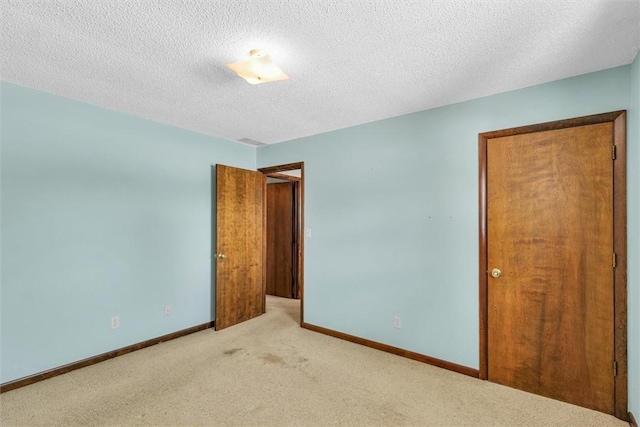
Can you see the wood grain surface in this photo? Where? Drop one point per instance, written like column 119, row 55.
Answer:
column 550, row 231
column 280, row 239
column 239, row 239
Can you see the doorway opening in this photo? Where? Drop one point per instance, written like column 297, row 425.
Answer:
column 284, row 219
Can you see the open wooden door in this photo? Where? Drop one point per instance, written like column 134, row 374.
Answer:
column 239, row 245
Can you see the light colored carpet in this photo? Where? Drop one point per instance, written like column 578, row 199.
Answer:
column 270, row 372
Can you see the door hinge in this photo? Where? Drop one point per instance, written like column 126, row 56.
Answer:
column 615, row 368
column 615, row 260
column 613, row 152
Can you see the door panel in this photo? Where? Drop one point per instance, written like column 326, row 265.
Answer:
column 280, row 239
column 550, row 232
column 239, row 245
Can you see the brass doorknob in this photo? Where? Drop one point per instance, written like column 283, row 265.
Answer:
column 496, row 272
column 222, row 256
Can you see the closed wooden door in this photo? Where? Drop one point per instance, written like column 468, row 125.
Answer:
column 550, row 293
column 239, row 245
column 280, row 239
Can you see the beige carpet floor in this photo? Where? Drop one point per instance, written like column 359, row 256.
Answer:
column 270, row 372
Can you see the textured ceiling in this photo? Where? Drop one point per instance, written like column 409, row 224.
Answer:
column 350, row 62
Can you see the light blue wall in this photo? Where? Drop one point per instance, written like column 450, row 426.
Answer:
column 633, row 181
column 102, row 214
column 393, row 212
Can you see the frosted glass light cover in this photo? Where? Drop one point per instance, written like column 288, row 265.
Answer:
column 259, row 68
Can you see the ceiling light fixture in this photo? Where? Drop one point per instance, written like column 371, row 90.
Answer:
column 259, row 68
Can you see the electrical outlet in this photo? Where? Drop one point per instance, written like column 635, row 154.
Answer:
column 167, row 310
column 397, row 322
column 115, row 322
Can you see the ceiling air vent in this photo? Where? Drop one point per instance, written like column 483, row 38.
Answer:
column 251, row 142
